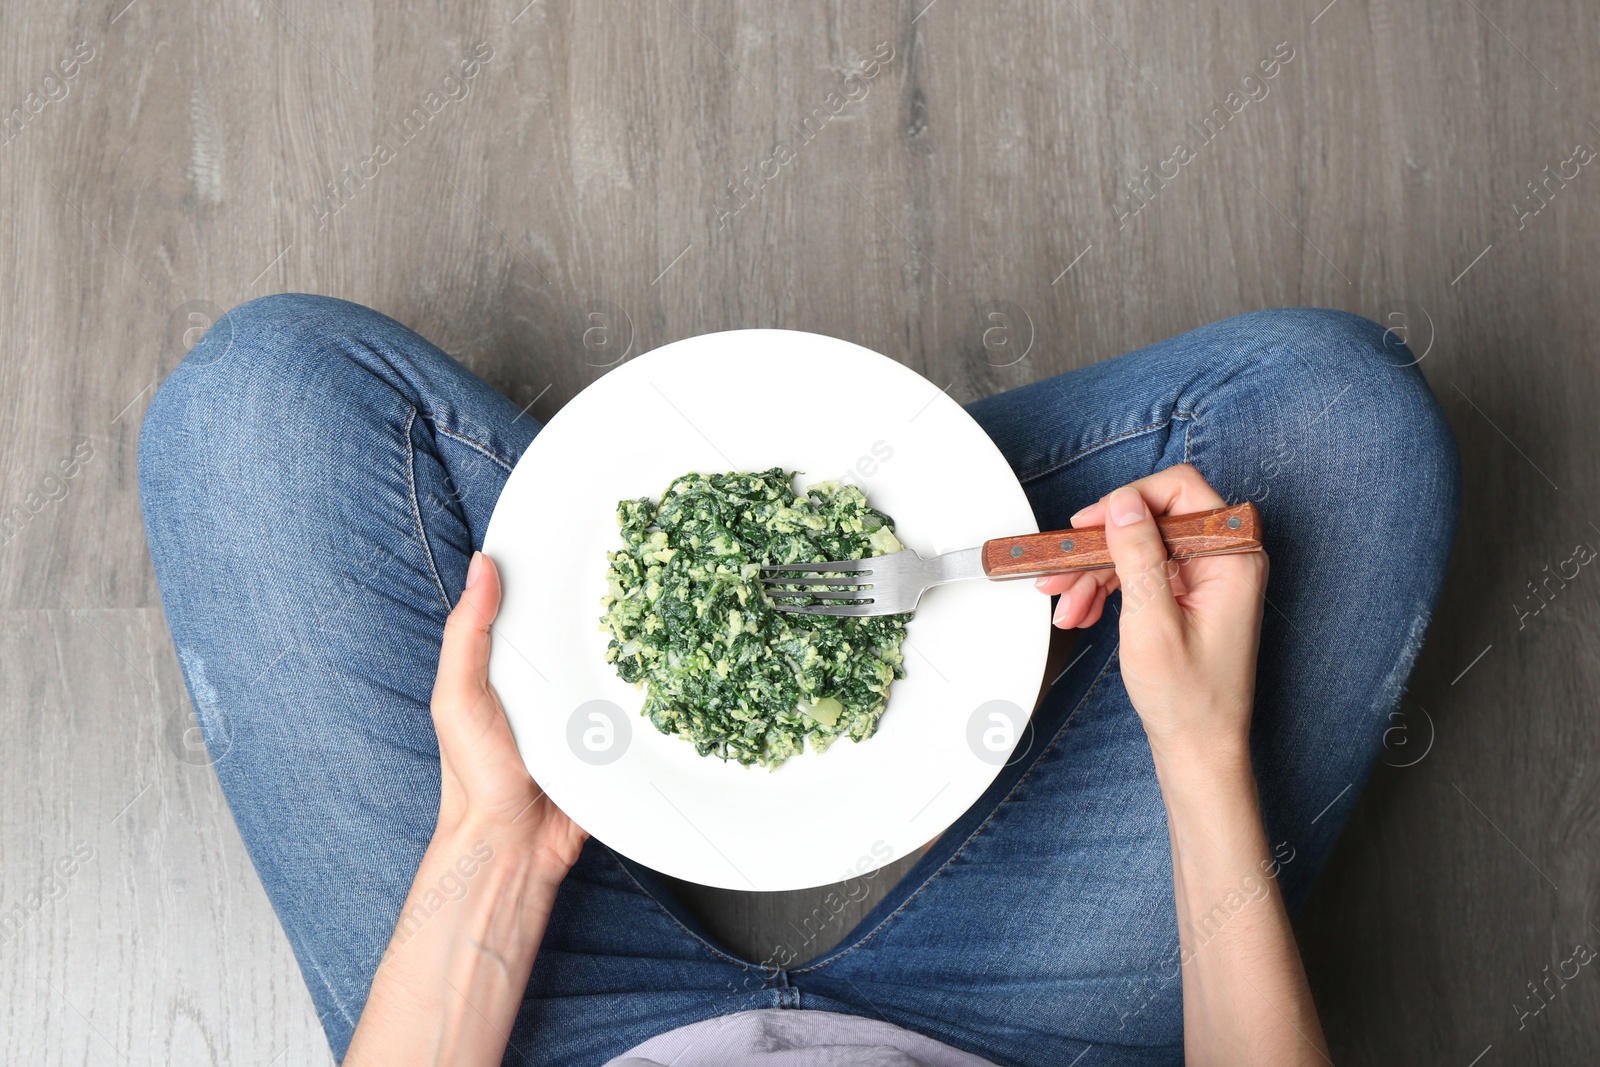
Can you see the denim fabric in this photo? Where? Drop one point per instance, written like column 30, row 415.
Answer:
column 315, row 476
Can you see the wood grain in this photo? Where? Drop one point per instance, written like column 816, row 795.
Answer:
column 1205, row 533
column 969, row 216
column 133, row 929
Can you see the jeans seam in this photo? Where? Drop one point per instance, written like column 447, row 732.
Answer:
column 470, row 442
column 702, row 942
column 1174, row 414
column 416, row 509
column 333, row 991
column 978, row 829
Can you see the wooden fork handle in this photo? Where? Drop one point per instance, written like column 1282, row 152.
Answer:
column 1204, row 533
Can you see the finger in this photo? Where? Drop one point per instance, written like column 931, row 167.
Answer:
column 1180, row 578
column 1074, row 600
column 463, row 678
column 1093, row 515
column 1054, row 584
column 1179, row 489
column 1051, row 584
column 1207, row 576
column 1096, row 609
column 1140, row 556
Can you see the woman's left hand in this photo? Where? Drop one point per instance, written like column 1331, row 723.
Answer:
column 485, row 785
column 452, row 981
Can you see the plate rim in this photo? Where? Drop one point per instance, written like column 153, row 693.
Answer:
column 696, row 346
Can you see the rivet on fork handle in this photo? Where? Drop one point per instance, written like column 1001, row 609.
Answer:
column 1205, row 533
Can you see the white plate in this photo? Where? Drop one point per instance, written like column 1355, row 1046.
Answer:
column 752, row 400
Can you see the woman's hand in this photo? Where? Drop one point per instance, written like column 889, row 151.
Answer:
column 449, row 987
column 1189, row 632
column 485, row 787
column 1189, row 628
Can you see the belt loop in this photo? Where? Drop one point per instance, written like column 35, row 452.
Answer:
column 788, row 996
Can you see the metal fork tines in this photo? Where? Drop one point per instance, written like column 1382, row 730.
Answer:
column 840, row 588
column 878, row 585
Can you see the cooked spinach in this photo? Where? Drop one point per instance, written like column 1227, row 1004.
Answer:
column 721, row 667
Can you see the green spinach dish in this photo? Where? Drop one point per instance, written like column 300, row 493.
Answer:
column 722, row 667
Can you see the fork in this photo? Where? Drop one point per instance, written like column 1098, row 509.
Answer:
column 893, row 584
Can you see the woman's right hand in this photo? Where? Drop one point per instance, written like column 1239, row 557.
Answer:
column 1189, row 628
column 1189, row 633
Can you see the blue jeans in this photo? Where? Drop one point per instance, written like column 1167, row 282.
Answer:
column 315, row 477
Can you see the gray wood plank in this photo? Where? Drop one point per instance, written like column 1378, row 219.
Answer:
column 132, row 925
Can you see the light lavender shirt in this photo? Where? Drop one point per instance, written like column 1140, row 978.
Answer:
column 784, row 1037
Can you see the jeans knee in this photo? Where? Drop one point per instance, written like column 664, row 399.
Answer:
column 263, row 364
column 1354, row 392
column 1369, row 388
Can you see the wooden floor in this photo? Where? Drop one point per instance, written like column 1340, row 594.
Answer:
column 683, row 166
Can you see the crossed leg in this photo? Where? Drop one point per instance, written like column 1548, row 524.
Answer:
column 315, row 477
column 1042, row 925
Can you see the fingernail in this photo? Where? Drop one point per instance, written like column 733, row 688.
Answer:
column 474, row 569
column 1127, row 507
column 1039, row 583
column 1061, row 610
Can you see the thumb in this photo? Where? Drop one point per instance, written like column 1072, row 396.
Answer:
column 1140, row 556
column 463, row 677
